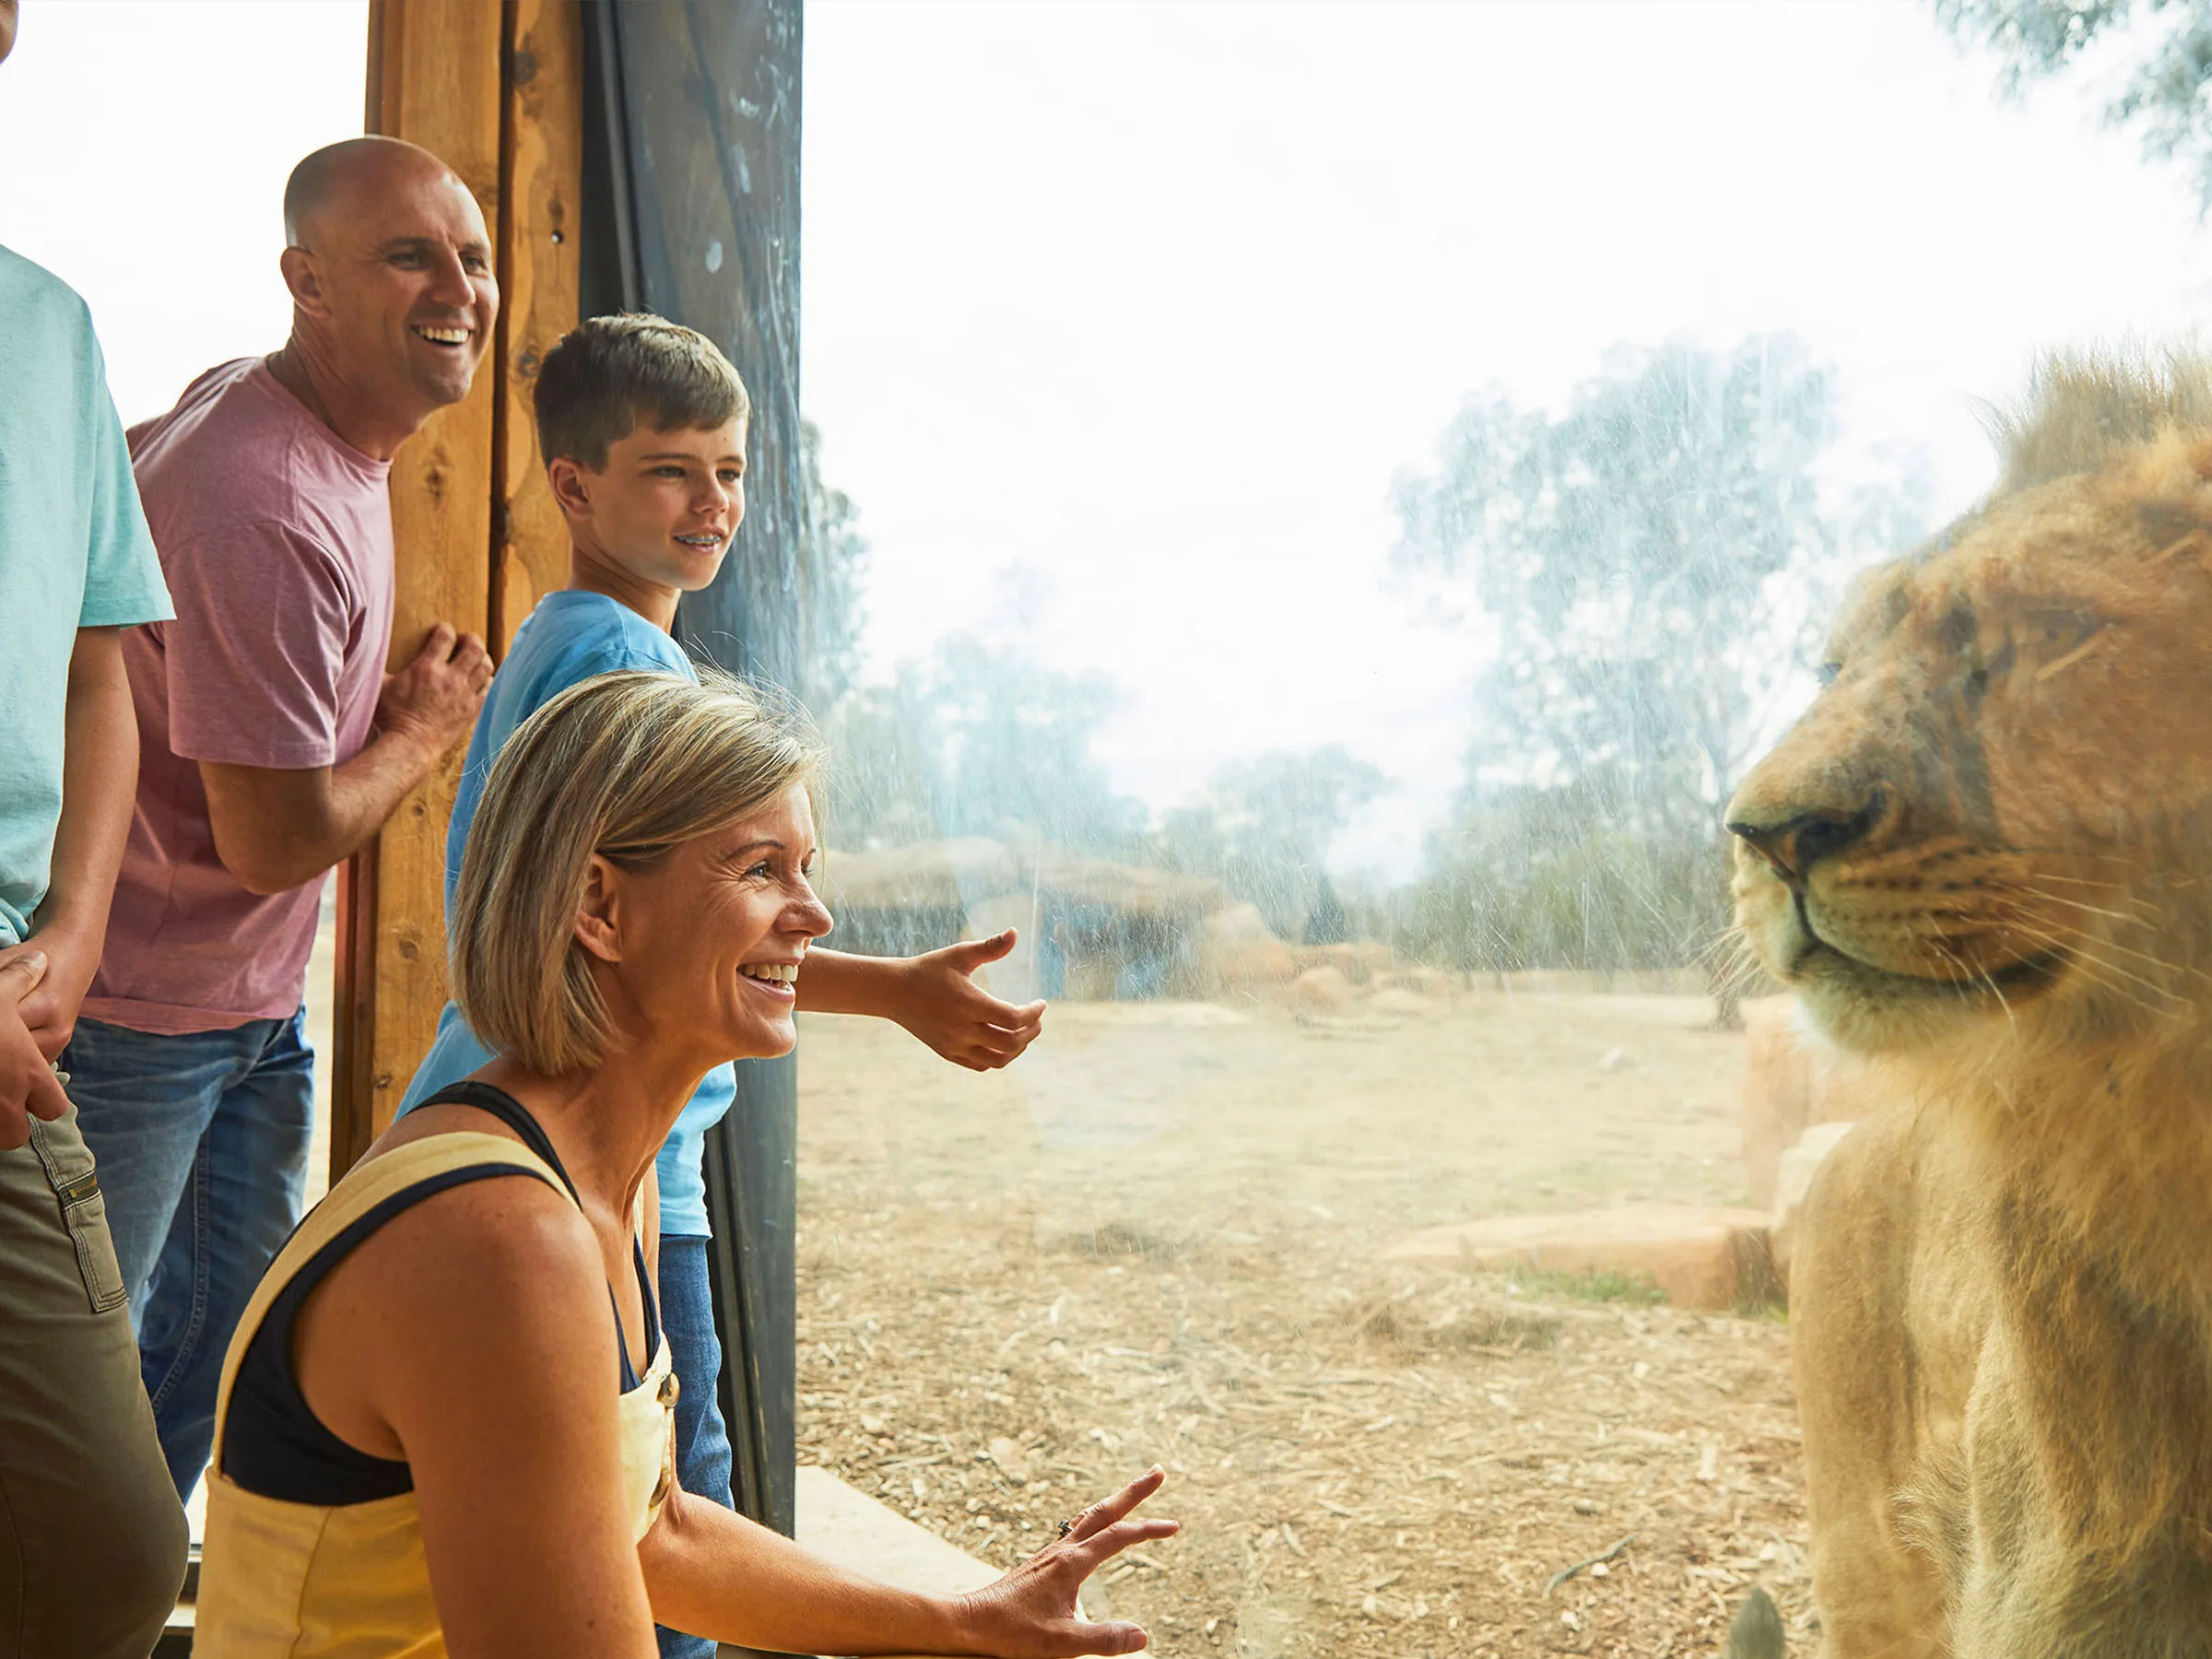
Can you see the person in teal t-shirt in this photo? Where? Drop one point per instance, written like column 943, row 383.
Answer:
column 642, row 424
column 90, row 1529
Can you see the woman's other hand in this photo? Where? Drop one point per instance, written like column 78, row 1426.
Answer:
column 1030, row 1613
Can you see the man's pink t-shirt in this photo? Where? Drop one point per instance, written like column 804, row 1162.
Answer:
column 276, row 538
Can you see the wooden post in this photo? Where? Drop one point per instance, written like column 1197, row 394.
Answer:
column 496, row 93
column 539, row 248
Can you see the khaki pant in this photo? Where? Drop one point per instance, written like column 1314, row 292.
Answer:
column 92, row 1540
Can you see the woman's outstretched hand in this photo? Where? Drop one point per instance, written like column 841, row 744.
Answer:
column 1030, row 1613
column 940, row 1003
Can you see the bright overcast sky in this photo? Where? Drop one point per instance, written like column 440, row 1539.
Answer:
column 1157, row 298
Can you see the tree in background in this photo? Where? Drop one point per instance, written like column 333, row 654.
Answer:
column 831, row 554
column 882, row 785
column 977, row 739
column 1015, row 739
column 1264, row 828
column 1654, row 560
column 971, row 740
column 1530, row 877
column 2169, row 45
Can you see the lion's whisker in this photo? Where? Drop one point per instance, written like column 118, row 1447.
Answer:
column 1971, row 973
column 2078, row 880
column 1729, row 957
column 2080, row 953
column 1728, row 942
column 2071, row 854
column 2098, row 971
column 2110, row 915
column 2145, row 957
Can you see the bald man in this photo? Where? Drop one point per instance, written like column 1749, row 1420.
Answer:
column 273, row 743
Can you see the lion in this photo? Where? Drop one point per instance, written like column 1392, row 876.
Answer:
column 1985, row 851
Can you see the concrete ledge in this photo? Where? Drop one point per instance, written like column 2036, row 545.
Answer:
column 844, row 1525
column 850, row 1529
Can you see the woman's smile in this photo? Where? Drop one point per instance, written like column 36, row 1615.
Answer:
column 776, row 981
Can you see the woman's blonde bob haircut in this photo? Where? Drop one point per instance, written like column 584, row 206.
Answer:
column 627, row 766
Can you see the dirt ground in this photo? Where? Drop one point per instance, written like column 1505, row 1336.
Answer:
column 1160, row 1238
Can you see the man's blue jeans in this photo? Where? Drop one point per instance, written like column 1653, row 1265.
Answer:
column 202, row 1143
column 703, row 1440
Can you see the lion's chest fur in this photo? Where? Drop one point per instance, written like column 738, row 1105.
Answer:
column 2066, row 1508
column 2048, row 1463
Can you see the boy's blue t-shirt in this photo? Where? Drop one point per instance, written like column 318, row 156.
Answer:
column 570, row 638
column 74, row 553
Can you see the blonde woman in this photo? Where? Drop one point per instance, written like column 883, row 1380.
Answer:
column 435, row 1435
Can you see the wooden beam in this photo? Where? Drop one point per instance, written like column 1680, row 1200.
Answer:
column 538, row 274
column 436, row 80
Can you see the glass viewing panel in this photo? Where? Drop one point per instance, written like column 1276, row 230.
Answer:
column 1312, row 509
column 1318, row 506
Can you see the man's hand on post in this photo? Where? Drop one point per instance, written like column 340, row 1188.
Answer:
column 435, row 698
column 276, row 827
column 27, row 1087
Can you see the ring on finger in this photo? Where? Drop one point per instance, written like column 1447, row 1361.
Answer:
column 1066, row 1527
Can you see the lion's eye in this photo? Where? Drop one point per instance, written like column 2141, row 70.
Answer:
column 1828, row 672
column 2057, row 639
column 2063, row 630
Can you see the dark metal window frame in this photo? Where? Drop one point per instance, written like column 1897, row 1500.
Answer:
column 697, row 102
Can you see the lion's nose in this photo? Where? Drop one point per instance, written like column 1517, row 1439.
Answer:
column 1795, row 845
